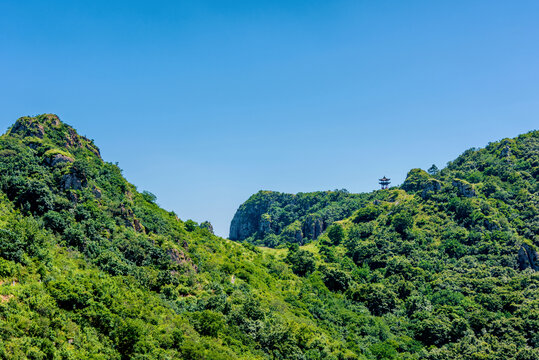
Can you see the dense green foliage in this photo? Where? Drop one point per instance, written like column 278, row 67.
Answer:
column 92, row 268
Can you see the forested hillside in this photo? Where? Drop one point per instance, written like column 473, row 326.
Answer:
column 442, row 268
column 451, row 254
column 91, row 268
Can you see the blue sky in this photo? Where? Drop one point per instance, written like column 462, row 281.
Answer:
column 204, row 103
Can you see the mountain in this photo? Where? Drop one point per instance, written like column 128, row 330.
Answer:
column 441, row 268
column 92, row 268
column 451, row 253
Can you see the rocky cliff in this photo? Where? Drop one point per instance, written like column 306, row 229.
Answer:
column 252, row 216
column 271, row 218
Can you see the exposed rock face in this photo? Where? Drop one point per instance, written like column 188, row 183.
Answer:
column 49, row 128
column 73, row 181
column 35, row 126
column 246, row 223
column 432, row 187
column 464, row 188
column 28, row 127
column 97, row 192
column 506, row 148
column 293, row 232
column 60, row 159
column 179, row 257
column 249, row 220
column 75, row 140
column 290, row 217
column 54, row 120
column 137, row 225
column 72, row 139
column 528, row 258
column 130, row 220
column 299, row 236
column 419, row 180
column 264, row 225
column 313, row 227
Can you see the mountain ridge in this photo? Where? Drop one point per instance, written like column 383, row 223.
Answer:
column 261, row 217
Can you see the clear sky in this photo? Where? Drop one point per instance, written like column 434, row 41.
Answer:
column 204, row 103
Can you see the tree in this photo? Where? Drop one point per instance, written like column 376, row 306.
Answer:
column 377, row 297
column 433, row 170
column 336, row 280
column 367, row 213
column 149, row 197
column 402, row 221
column 190, row 225
column 207, row 225
column 208, row 322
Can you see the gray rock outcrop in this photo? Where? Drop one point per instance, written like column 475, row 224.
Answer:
column 252, row 216
column 28, row 127
column 419, row 181
column 59, row 159
column 299, row 236
column 97, row 192
column 464, row 188
column 72, row 181
column 246, row 222
column 313, row 227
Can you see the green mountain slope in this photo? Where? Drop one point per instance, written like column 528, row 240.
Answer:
column 504, row 171
column 452, row 254
column 91, row 268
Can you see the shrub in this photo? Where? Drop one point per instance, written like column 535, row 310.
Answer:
column 336, row 234
column 190, row 225
column 367, row 213
column 402, row 221
column 302, row 262
column 336, row 280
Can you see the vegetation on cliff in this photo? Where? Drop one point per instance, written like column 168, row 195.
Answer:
column 271, row 218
